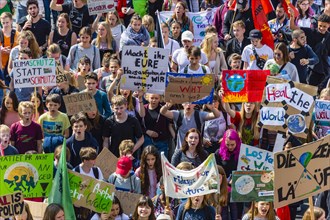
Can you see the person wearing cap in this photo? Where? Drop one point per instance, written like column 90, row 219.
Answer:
column 256, row 50
column 180, row 56
column 124, row 178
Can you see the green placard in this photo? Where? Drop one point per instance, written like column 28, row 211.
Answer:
column 30, row 173
column 248, row 186
column 91, row 193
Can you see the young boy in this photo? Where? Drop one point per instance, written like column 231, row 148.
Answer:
column 237, row 44
column 194, row 56
column 121, row 126
column 55, row 124
column 126, row 149
column 235, row 61
column 26, row 134
column 80, row 138
column 123, row 178
column 256, row 50
column 5, row 148
column 100, row 97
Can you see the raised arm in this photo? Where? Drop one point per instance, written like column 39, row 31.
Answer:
column 165, row 110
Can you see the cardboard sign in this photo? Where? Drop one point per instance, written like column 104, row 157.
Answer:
column 253, row 158
column 194, row 88
column 111, row 162
column 91, row 193
column 288, row 107
column 32, row 174
column 37, row 209
column 34, row 72
column 128, row 201
column 243, row 85
column 200, row 181
column 11, row 205
column 302, row 172
column 144, row 69
column 322, row 110
column 60, row 74
column 248, row 186
column 79, row 102
column 99, row 6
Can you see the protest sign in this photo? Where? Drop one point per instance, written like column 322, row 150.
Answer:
column 11, row 205
column 253, row 158
column 110, row 166
column 200, row 21
column 34, row 72
column 100, row 6
column 128, row 201
column 302, row 172
column 287, row 106
column 200, row 181
column 194, row 88
column 243, row 85
column 79, row 102
column 91, row 193
column 144, row 68
column 37, row 209
column 32, row 174
column 248, row 186
column 60, row 74
column 322, row 110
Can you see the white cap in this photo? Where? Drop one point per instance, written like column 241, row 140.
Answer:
column 187, row 35
column 164, row 216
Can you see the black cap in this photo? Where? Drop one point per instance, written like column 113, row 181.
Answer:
column 255, row 34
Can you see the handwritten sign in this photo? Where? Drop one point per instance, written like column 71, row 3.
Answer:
column 144, row 68
column 91, row 193
column 99, row 6
column 37, row 209
column 322, row 110
column 243, row 85
column 202, row 180
column 128, row 201
column 248, row 186
column 77, row 102
column 194, row 88
column 60, row 73
column 296, row 99
column 34, row 72
column 109, row 167
column 253, row 158
column 11, row 205
column 302, row 172
column 32, row 174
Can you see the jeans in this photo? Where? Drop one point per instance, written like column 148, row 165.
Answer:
column 162, row 146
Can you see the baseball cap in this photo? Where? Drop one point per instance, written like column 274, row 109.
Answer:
column 124, row 165
column 163, row 217
column 255, row 34
column 187, row 35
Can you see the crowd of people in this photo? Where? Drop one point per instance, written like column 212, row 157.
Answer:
column 136, row 126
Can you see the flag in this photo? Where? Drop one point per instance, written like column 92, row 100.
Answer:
column 60, row 192
column 202, row 180
column 286, row 5
column 259, row 13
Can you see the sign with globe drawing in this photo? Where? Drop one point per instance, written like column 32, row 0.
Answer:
column 32, row 174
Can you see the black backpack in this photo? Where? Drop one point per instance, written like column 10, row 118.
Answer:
column 198, row 122
column 95, row 171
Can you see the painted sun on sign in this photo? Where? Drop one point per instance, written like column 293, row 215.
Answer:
column 207, row 80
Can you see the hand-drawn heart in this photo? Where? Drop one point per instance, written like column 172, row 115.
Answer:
column 305, row 158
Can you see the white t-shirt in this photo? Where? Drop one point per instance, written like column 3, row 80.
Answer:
column 264, row 52
column 116, row 33
column 91, row 174
column 200, row 70
column 172, row 45
column 180, row 57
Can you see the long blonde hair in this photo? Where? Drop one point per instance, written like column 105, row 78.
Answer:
column 207, row 44
column 242, row 125
column 33, row 44
column 270, row 214
column 108, row 37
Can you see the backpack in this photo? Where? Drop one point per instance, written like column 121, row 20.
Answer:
column 198, row 122
column 185, row 70
column 12, row 37
column 133, row 187
column 95, row 171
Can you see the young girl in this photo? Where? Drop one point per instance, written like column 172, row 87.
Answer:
column 135, row 34
column 63, row 34
column 54, row 211
column 149, row 23
column 150, row 170
column 306, row 13
column 37, row 101
column 95, row 126
column 84, row 66
column 26, row 215
column 104, row 40
column 180, row 16
column 116, row 26
column 175, row 32
column 9, row 109
column 262, row 211
column 111, row 64
column 84, row 48
column 245, row 122
column 116, row 212
column 321, row 128
column 144, row 209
